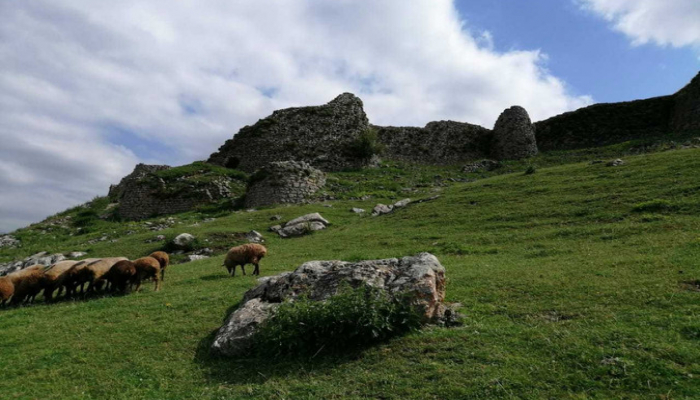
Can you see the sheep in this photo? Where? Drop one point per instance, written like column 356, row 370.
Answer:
column 28, row 283
column 7, row 289
column 250, row 253
column 94, row 271
column 54, row 276
column 72, row 280
column 147, row 267
column 164, row 261
column 120, row 275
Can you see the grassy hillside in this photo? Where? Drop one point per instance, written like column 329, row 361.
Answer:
column 578, row 281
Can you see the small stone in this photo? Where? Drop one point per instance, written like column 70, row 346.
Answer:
column 381, row 209
column 402, row 203
column 254, row 237
column 275, row 228
column 76, row 254
column 357, row 210
column 615, row 163
column 196, row 257
column 275, row 218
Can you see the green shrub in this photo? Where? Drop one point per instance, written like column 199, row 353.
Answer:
column 352, row 319
column 366, row 145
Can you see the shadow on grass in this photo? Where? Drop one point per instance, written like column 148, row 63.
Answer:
column 214, row 277
column 258, row 370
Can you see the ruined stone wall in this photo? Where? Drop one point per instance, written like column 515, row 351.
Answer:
column 604, row 124
column 143, row 194
column 284, row 182
column 442, row 142
column 321, row 136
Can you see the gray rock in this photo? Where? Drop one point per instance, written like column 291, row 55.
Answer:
column 196, row 257
column 615, row 163
column 254, row 237
column 513, row 135
column 421, row 277
column 358, row 210
column 73, row 255
column 275, row 228
column 314, row 217
column 275, row 218
column 183, row 240
column 9, row 241
column 300, row 229
column 402, row 203
column 381, row 209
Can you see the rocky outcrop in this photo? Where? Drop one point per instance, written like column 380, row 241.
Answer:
column 141, row 171
column 9, row 241
column 42, row 258
column 441, row 142
column 283, row 182
column 322, row 136
column 421, row 277
column 513, row 135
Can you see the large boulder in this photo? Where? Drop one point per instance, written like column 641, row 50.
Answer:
column 513, row 135
column 421, row 277
column 322, row 136
column 302, row 225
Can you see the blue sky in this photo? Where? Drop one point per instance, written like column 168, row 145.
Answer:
column 583, row 50
column 89, row 89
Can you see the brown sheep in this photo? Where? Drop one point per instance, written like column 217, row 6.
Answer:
column 28, row 283
column 164, row 261
column 250, row 253
column 54, row 277
column 120, row 275
column 71, row 280
column 7, row 289
column 146, row 268
column 94, row 271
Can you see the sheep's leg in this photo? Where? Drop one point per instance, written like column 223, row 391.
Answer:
column 243, row 269
column 157, row 279
column 256, row 271
column 162, row 274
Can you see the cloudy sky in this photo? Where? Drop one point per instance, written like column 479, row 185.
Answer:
column 88, row 89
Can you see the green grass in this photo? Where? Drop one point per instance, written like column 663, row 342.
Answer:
column 572, row 280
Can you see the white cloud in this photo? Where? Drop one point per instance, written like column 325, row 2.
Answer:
column 87, row 89
column 663, row 22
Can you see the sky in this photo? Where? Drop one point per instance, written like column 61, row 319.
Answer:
column 89, row 89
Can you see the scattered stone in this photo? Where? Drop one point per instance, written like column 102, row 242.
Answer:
column 358, row 210
column 195, row 257
column 482, row 165
column 421, row 277
column 76, row 254
column 303, row 225
column 402, row 203
column 275, row 228
column 615, row 163
column 381, row 209
column 183, row 240
column 513, row 135
column 275, row 218
column 254, row 237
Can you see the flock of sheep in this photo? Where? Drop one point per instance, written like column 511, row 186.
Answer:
column 112, row 274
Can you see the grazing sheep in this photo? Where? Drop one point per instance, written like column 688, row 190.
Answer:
column 72, row 280
column 7, row 289
column 146, row 268
column 94, row 271
column 164, row 261
column 54, row 277
column 250, row 253
column 120, row 275
column 28, row 283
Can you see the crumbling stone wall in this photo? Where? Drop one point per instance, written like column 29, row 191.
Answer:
column 441, row 142
column 321, row 136
column 142, row 194
column 513, row 135
column 284, row 182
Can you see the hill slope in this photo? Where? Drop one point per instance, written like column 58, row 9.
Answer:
column 578, row 281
